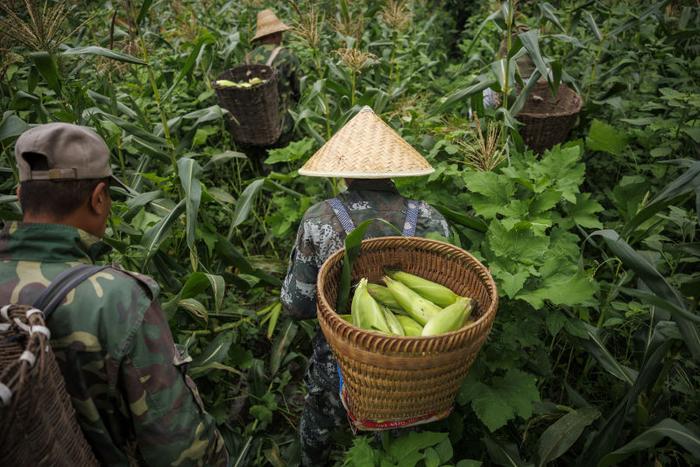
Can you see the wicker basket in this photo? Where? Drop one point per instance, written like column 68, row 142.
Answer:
column 44, row 430
column 547, row 120
column 401, row 378
column 257, row 120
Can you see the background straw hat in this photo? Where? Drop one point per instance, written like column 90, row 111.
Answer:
column 268, row 23
column 366, row 147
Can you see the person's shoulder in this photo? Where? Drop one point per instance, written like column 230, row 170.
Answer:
column 120, row 280
column 320, row 211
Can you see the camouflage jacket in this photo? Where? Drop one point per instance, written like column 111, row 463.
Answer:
column 127, row 381
column 287, row 66
column 321, row 234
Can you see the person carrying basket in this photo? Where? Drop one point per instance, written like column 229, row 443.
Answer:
column 367, row 153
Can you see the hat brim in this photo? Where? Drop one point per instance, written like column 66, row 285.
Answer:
column 268, row 32
column 366, row 175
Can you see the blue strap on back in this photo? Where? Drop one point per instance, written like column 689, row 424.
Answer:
column 342, row 214
column 409, row 226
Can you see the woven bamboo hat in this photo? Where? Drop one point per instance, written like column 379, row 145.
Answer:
column 268, row 23
column 366, row 147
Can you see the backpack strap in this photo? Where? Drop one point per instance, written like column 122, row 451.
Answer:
column 342, row 214
column 273, row 55
column 409, row 226
column 61, row 286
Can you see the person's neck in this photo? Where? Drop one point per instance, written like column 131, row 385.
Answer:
column 71, row 220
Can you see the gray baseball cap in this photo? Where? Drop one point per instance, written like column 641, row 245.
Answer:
column 72, row 152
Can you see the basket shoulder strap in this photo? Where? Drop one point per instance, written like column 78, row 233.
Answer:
column 411, row 222
column 273, row 55
column 342, row 214
column 61, row 286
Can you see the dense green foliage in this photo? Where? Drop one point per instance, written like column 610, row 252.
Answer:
column 594, row 354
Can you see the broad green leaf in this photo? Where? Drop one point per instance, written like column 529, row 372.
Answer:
column 282, row 342
column 245, row 203
column 156, row 234
column 519, row 243
column 504, row 399
column 562, row 434
column 216, row 351
column 204, row 39
column 531, row 42
column 11, row 126
column 685, row 185
column 102, row 52
column 412, row 443
column 606, row 138
column 221, row 196
column 461, row 95
column 585, row 210
column 189, row 171
column 145, row 6
column 656, row 283
column 47, row 66
column 292, row 152
column 667, row 428
column 593, row 25
column 195, row 307
column 224, row 157
column 506, row 455
column 490, row 192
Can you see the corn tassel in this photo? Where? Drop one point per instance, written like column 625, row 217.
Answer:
column 436, row 293
column 417, row 307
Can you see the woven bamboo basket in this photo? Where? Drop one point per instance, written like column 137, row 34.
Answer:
column 399, row 378
column 256, row 118
column 548, row 119
column 39, row 427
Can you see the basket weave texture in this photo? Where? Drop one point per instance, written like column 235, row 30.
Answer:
column 257, row 120
column 366, row 147
column 39, row 427
column 547, row 120
column 398, row 378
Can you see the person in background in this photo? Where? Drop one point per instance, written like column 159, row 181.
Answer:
column 270, row 51
column 125, row 376
column 367, row 153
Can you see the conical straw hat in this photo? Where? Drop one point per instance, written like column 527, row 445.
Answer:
column 366, row 147
column 268, row 23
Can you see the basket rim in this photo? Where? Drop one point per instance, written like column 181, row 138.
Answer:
column 272, row 80
column 335, row 318
column 564, row 113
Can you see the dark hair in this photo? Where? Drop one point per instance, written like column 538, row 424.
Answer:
column 58, row 198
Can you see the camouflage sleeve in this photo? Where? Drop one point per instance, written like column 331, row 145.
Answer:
column 291, row 71
column 299, row 288
column 168, row 417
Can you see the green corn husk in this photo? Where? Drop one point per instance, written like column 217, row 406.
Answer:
column 366, row 312
column 409, row 325
column 436, row 293
column 347, row 317
column 449, row 319
column 394, row 324
column 417, row 307
column 383, row 296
